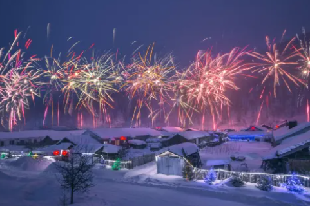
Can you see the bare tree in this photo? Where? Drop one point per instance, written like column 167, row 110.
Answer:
column 75, row 174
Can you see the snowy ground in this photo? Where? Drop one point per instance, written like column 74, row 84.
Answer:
column 138, row 187
column 253, row 151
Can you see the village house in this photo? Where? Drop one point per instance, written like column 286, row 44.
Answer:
column 171, row 161
column 293, row 154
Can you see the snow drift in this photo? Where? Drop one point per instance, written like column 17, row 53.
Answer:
column 29, row 164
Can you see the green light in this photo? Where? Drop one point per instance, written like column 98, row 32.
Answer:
column 116, row 165
column 3, row 155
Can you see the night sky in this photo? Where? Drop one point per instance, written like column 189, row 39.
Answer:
column 177, row 26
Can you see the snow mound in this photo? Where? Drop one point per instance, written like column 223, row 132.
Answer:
column 29, row 164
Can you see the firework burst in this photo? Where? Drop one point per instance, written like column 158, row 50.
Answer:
column 204, row 83
column 95, row 81
column 18, row 82
column 148, row 79
column 277, row 65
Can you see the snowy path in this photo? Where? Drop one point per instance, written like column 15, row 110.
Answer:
column 138, row 187
column 183, row 194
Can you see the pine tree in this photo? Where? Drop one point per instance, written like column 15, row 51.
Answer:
column 236, row 181
column 210, row 177
column 117, row 164
column 293, row 184
column 187, row 172
column 264, row 183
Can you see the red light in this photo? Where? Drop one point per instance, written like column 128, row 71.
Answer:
column 277, row 126
column 252, row 128
column 123, row 138
column 64, row 153
column 56, row 153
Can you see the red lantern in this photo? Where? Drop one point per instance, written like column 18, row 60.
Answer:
column 123, row 138
column 56, row 153
column 64, row 153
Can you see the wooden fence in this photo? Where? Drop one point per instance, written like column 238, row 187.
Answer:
column 133, row 162
column 277, row 179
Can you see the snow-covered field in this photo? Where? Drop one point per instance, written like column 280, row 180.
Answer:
column 252, row 151
column 138, row 187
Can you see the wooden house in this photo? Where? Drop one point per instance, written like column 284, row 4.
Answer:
column 172, row 160
column 175, row 139
column 293, row 154
column 111, row 152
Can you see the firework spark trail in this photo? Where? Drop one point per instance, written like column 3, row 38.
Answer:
column 259, row 113
column 308, row 111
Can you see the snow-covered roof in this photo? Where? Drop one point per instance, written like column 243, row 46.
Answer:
column 82, row 139
column 153, row 139
column 283, row 132
column 194, row 134
column 131, row 132
column 288, row 145
column 189, row 148
column 154, row 145
column 87, row 148
column 249, row 133
column 217, row 162
column 55, row 135
column 258, row 127
column 51, row 148
column 111, row 149
column 14, row 148
column 173, row 129
column 136, row 142
column 191, row 129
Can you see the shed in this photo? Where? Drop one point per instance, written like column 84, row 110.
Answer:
column 172, row 160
